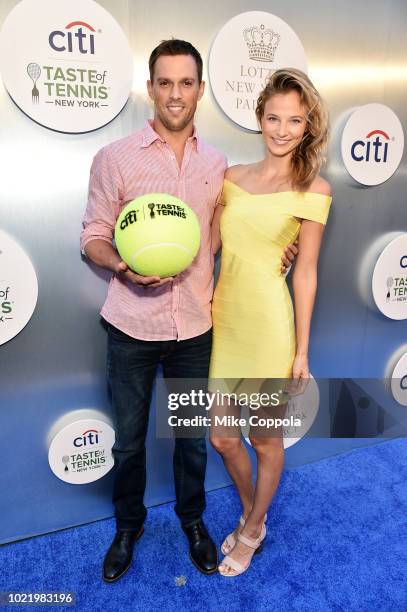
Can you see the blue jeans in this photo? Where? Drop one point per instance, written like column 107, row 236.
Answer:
column 131, row 368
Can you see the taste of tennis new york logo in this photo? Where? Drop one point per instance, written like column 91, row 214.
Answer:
column 18, row 288
column 82, row 87
column 73, row 71
column 245, row 52
column 397, row 285
column 389, row 282
column 80, row 452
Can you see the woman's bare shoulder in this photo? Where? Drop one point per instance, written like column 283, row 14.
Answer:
column 320, row 185
column 237, row 172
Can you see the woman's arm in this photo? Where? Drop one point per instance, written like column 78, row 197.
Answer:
column 305, row 281
column 215, row 229
column 305, row 287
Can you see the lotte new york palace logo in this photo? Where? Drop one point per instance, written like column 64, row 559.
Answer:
column 372, row 144
column 261, row 42
column 73, row 71
column 244, row 54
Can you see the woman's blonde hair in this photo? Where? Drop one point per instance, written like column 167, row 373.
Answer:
column 308, row 157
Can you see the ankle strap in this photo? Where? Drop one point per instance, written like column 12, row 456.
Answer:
column 249, row 542
column 243, row 522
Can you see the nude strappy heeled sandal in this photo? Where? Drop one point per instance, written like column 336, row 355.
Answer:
column 230, row 540
column 237, row 567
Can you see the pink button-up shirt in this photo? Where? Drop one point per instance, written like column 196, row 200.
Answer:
column 133, row 166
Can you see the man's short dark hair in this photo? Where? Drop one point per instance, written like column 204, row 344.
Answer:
column 175, row 47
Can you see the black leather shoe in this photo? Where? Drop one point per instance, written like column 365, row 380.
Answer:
column 120, row 554
column 202, row 549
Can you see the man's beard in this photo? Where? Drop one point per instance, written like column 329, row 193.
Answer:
column 173, row 125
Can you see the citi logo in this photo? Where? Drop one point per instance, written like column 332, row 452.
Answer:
column 371, row 149
column 71, row 40
column 88, row 438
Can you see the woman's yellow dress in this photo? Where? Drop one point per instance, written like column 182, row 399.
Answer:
column 253, row 319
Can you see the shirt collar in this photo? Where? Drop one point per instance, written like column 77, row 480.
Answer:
column 150, row 136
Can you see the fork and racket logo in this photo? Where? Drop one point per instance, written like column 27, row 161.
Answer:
column 34, row 72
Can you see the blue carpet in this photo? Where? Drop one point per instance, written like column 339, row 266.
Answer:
column 337, row 540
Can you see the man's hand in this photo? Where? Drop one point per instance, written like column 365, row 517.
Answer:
column 143, row 281
column 103, row 254
column 288, row 257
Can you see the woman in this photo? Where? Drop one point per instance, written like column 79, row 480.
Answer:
column 267, row 205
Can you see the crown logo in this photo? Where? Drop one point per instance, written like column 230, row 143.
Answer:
column 262, row 43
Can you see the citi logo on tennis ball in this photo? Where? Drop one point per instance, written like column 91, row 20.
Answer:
column 131, row 217
column 72, row 41
column 157, row 235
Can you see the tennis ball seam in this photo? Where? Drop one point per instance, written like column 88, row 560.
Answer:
column 159, row 245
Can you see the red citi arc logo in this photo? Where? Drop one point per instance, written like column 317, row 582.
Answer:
column 88, row 438
column 371, row 150
column 71, row 40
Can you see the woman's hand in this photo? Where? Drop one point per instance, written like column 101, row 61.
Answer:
column 300, row 367
column 300, row 376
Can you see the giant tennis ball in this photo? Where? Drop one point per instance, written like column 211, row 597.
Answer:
column 157, row 235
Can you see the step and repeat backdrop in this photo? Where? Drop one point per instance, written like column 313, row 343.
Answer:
column 72, row 80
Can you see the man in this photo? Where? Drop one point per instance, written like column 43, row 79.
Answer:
column 152, row 320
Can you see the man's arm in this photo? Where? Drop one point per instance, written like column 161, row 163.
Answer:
column 103, row 208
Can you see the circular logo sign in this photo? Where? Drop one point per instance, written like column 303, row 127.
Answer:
column 372, row 144
column 399, row 381
column 81, row 451
column 71, row 70
column 301, row 412
column 389, row 283
column 245, row 52
column 299, row 415
column 18, row 288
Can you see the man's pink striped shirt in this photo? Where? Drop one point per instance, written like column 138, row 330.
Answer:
column 133, row 166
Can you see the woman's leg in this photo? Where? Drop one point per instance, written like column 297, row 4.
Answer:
column 237, row 462
column 269, row 448
column 270, row 463
column 226, row 439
